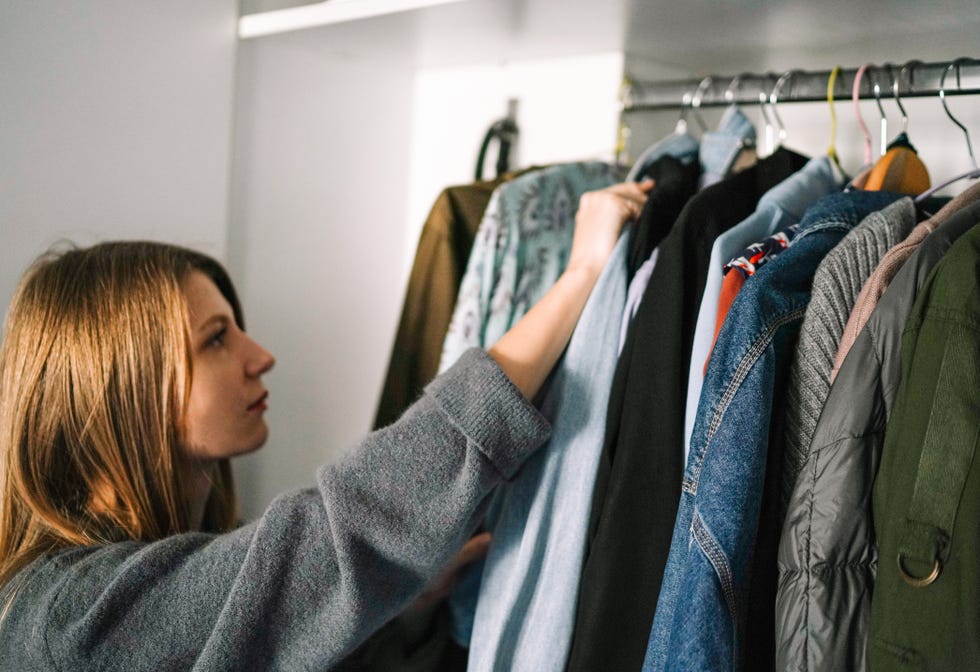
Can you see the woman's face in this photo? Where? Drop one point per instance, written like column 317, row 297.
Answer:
column 227, row 399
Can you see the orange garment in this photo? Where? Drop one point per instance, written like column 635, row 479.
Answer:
column 730, row 287
column 900, row 170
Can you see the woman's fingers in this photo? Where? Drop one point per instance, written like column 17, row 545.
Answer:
column 472, row 550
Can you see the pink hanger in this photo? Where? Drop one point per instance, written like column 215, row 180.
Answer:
column 855, row 97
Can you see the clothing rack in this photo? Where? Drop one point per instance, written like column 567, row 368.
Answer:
column 913, row 79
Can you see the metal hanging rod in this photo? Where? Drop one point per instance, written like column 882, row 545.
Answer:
column 914, row 79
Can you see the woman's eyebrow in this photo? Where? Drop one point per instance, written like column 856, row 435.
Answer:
column 216, row 318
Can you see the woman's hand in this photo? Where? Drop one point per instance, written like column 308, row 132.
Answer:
column 440, row 588
column 599, row 221
column 528, row 352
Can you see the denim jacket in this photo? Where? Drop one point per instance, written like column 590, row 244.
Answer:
column 714, row 549
column 780, row 207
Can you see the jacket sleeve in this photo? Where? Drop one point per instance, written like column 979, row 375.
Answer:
column 322, row 568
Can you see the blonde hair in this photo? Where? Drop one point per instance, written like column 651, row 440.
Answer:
column 95, row 373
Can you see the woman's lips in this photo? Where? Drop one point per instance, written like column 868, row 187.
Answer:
column 260, row 403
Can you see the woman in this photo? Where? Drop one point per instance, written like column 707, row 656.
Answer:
column 127, row 382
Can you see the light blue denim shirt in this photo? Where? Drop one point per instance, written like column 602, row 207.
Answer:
column 720, row 148
column 520, row 250
column 700, row 623
column 526, row 611
column 682, row 146
column 778, row 208
column 717, row 150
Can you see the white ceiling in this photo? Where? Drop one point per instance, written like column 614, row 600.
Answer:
column 661, row 39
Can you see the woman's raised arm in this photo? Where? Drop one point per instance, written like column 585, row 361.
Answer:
column 529, row 351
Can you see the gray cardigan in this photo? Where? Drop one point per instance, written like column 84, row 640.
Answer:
column 310, row 580
column 828, row 553
column 836, row 285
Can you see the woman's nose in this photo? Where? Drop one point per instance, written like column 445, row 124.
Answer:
column 260, row 360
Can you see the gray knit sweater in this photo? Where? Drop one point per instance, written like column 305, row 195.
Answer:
column 302, row 586
column 836, row 285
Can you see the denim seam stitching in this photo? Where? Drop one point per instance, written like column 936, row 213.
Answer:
column 716, row 556
column 745, row 365
column 817, row 228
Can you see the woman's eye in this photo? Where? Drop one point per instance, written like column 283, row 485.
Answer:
column 218, row 339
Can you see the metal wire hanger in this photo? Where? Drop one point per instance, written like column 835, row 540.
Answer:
column 971, row 174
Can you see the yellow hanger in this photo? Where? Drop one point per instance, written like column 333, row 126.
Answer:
column 623, row 131
column 832, row 150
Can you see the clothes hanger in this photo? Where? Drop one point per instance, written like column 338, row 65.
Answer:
column 733, row 124
column 971, row 174
column 696, row 102
column 736, row 83
column 898, row 99
column 900, row 169
column 883, row 125
column 861, row 179
column 769, row 129
column 733, row 86
column 786, row 77
column 832, row 150
column 681, row 136
column 681, row 127
column 506, row 132
column 623, row 132
column 856, row 100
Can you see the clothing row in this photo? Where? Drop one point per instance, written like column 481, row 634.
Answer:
column 772, row 385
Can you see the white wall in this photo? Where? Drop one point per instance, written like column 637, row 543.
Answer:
column 567, row 111
column 337, row 161
column 115, row 122
column 321, row 154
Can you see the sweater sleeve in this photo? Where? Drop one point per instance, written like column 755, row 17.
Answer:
column 321, row 570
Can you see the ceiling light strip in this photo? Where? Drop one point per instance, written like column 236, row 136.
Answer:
column 323, row 13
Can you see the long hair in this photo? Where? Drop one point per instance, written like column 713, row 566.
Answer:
column 95, row 373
